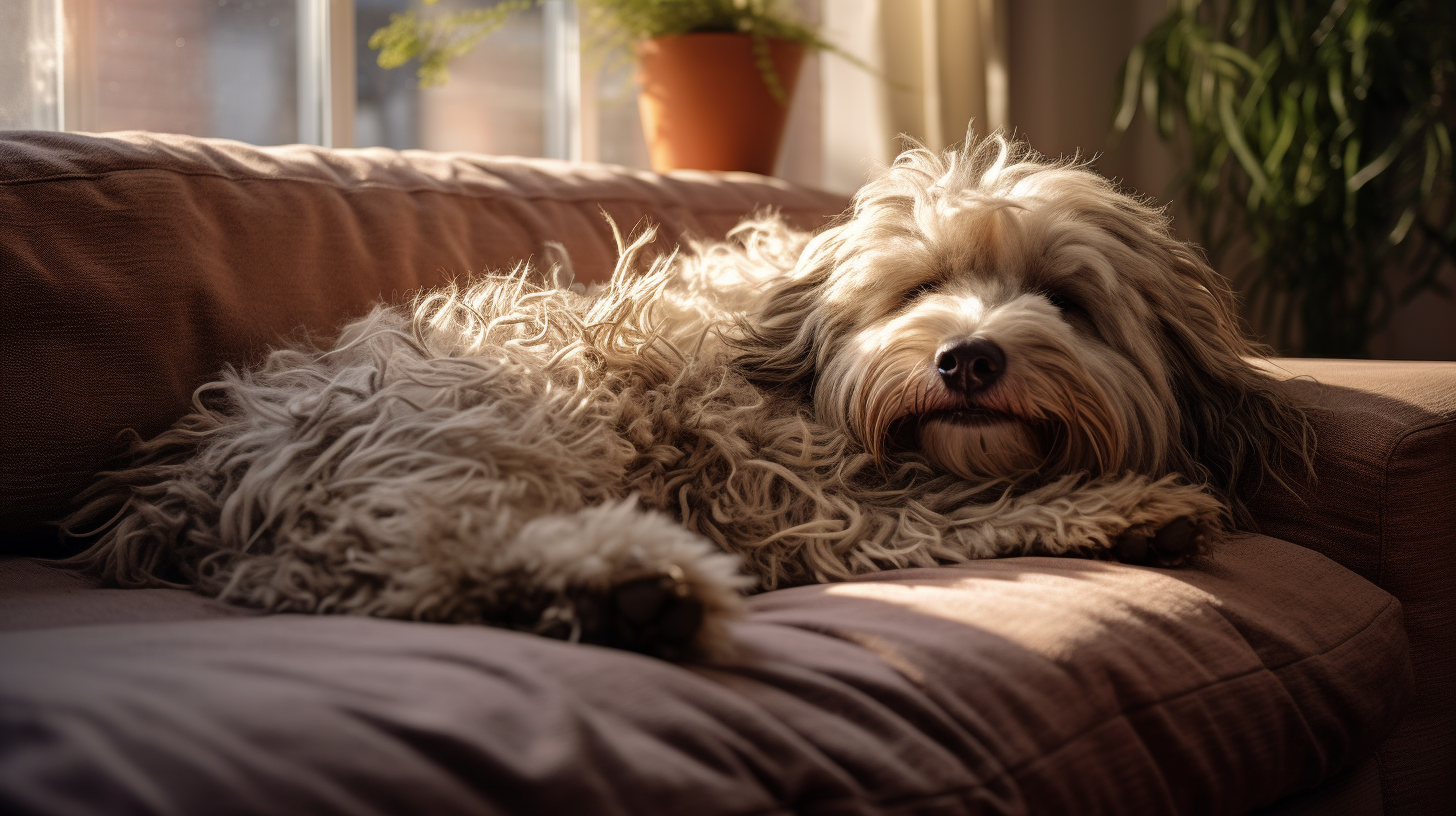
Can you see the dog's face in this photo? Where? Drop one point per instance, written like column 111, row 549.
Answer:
column 1005, row 316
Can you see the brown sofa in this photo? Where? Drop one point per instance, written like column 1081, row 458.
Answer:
column 1308, row 669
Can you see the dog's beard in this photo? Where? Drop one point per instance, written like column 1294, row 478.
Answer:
column 1122, row 347
column 980, row 449
column 1046, row 416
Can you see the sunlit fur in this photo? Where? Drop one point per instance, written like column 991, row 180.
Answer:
column 1124, row 352
column 508, row 451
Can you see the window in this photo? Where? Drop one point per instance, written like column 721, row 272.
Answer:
column 213, row 68
column 281, row 71
column 30, row 34
column 285, row 71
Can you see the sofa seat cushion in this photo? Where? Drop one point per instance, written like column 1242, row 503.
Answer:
column 1024, row 685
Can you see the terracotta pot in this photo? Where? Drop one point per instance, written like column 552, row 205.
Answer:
column 705, row 105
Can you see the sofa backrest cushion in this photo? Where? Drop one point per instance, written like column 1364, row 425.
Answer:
column 135, row 265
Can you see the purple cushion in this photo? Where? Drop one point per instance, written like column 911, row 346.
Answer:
column 1020, row 685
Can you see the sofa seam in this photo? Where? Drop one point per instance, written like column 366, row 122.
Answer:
column 1012, row 772
column 1390, row 456
column 1375, row 618
column 1380, row 771
column 959, row 792
column 374, row 185
column 1385, row 479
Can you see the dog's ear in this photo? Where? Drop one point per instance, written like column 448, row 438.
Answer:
column 778, row 341
column 1237, row 425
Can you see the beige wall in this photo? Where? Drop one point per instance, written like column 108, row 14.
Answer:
column 1064, row 58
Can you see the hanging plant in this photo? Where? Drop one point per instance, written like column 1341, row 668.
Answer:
column 1320, row 130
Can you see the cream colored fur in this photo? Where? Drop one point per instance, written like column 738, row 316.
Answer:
column 511, row 452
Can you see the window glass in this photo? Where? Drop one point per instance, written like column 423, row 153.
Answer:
column 29, row 43
column 204, row 67
column 612, row 127
column 232, row 68
column 493, row 103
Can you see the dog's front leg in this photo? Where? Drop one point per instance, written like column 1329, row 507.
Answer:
column 610, row 574
column 1131, row 518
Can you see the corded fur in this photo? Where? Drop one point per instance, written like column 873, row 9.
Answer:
column 507, row 451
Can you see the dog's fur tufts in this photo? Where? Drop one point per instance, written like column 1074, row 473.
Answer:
column 990, row 354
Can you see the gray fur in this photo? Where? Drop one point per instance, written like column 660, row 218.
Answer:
column 508, row 452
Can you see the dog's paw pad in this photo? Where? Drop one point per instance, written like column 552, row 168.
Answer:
column 1131, row 547
column 654, row 613
column 1169, row 546
column 640, row 600
column 1178, row 540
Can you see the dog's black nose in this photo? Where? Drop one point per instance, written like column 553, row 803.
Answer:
column 970, row 365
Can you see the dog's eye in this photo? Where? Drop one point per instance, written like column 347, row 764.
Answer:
column 918, row 291
column 1064, row 304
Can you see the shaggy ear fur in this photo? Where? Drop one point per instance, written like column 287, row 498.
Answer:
column 1236, row 423
column 777, row 342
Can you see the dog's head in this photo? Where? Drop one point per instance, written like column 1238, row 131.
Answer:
column 1004, row 316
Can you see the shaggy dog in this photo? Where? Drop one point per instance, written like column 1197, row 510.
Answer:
column 989, row 355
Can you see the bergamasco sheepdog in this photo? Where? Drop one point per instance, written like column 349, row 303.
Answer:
column 991, row 354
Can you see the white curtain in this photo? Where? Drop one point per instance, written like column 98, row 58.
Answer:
column 943, row 66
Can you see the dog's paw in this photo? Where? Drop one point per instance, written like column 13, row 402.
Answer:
column 656, row 614
column 1170, row 545
column 632, row 580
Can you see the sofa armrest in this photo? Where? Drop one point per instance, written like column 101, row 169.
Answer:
column 1384, row 505
column 1385, row 465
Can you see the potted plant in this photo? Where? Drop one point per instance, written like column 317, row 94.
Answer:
column 716, row 76
column 1320, row 131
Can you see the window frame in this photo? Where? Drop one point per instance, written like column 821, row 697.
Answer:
column 327, row 92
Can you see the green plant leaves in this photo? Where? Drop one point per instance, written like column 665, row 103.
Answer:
column 437, row 41
column 1317, row 132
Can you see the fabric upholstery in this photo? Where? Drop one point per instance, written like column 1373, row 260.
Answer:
column 1384, row 505
column 1355, row 792
column 1026, row 685
column 36, row 595
column 136, row 265
column 133, row 266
